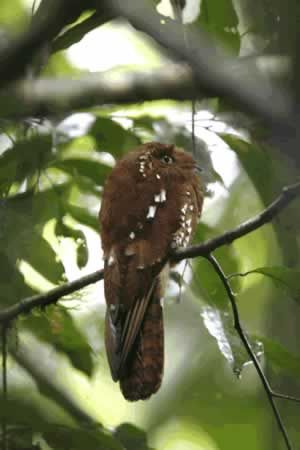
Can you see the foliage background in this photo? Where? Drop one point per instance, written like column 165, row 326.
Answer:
column 52, row 171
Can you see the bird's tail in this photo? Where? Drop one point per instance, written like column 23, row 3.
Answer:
column 144, row 369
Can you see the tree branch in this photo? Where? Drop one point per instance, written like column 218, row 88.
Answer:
column 18, row 54
column 52, row 96
column 51, row 17
column 50, row 297
column 214, row 72
column 25, row 306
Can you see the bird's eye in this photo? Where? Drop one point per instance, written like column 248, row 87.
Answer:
column 167, row 159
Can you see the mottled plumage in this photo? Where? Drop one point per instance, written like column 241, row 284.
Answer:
column 151, row 204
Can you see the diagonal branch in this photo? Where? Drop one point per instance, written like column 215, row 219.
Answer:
column 48, row 298
column 25, row 306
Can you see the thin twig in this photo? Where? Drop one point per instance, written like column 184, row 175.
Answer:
column 4, row 386
column 193, row 128
column 240, row 274
column 181, row 280
column 285, row 396
column 244, row 339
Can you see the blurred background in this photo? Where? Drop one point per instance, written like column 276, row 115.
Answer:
column 52, row 171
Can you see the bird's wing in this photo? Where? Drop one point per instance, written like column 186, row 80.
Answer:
column 133, row 323
column 122, row 330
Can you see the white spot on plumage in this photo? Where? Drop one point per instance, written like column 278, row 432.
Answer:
column 188, row 222
column 151, row 212
column 184, row 208
column 157, row 198
column 161, row 197
column 132, row 235
column 140, row 225
column 158, row 176
column 130, row 250
column 191, row 207
column 111, row 260
column 188, row 193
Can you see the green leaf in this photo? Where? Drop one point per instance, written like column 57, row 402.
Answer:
column 63, row 229
column 269, row 171
column 21, row 411
column 93, row 169
column 21, row 238
column 76, row 32
column 286, row 279
column 24, row 159
column 220, row 325
column 83, row 215
column 219, row 18
column 280, row 358
column 81, row 439
column 23, row 218
column 58, row 328
column 132, row 437
column 257, row 163
column 206, row 279
column 112, row 137
column 13, row 287
column 23, row 418
column 13, row 14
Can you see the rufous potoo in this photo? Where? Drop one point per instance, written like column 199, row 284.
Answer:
column 150, row 206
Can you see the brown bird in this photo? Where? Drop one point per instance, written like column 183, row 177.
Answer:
column 150, row 206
